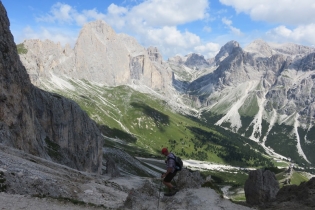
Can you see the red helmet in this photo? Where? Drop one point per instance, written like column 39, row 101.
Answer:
column 164, row 150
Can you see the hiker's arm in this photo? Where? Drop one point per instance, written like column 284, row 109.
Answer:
column 169, row 170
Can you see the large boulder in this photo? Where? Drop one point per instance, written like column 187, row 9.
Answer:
column 189, row 179
column 260, row 187
column 142, row 198
column 294, row 197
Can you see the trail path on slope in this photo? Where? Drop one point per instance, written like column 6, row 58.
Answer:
column 16, row 202
column 27, row 175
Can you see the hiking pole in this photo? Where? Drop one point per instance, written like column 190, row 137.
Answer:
column 175, row 182
column 159, row 194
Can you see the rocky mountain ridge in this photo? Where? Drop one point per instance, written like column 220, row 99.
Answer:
column 100, row 55
column 269, row 84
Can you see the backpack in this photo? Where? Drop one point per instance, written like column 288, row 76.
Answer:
column 178, row 162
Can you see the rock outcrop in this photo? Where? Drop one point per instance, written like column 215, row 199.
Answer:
column 260, row 187
column 40, row 123
column 189, row 179
column 295, row 197
column 155, row 55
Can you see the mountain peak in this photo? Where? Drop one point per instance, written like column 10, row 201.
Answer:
column 99, row 27
column 291, row 49
column 154, row 54
column 259, row 47
column 195, row 59
column 226, row 50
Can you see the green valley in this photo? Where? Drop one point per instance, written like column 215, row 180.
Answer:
column 146, row 124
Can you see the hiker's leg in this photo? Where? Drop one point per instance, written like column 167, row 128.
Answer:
column 168, row 185
column 167, row 180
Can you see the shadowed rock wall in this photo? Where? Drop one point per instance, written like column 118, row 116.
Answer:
column 41, row 123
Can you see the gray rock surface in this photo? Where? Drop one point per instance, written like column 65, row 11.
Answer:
column 9, row 201
column 226, row 51
column 295, row 197
column 42, row 184
column 111, row 167
column 261, row 187
column 126, row 163
column 148, row 197
column 41, row 123
column 189, row 179
column 155, row 55
column 195, row 61
column 29, row 175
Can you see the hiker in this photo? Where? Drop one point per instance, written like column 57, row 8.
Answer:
column 170, row 172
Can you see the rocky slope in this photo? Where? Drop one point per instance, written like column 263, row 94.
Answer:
column 40, row 123
column 295, row 197
column 35, row 183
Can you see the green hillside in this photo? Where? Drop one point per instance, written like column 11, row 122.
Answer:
column 146, row 124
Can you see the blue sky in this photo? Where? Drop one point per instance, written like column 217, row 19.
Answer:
column 174, row 26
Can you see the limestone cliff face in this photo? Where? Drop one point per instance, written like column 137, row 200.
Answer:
column 100, row 55
column 52, row 56
column 39, row 122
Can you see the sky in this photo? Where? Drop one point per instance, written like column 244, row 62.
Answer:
column 175, row 27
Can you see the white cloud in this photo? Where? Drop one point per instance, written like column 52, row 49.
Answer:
column 295, row 18
column 157, row 13
column 170, row 40
column 209, row 50
column 65, row 14
column 152, row 22
column 92, row 15
column 170, row 36
column 280, row 11
column 50, row 34
column 59, row 12
column 169, row 13
column 207, row 29
column 302, row 34
column 113, row 9
column 234, row 30
column 226, row 21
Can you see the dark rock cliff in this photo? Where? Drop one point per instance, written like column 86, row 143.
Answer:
column 41, row 123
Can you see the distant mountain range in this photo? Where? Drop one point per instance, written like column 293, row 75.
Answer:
column 264, row 92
